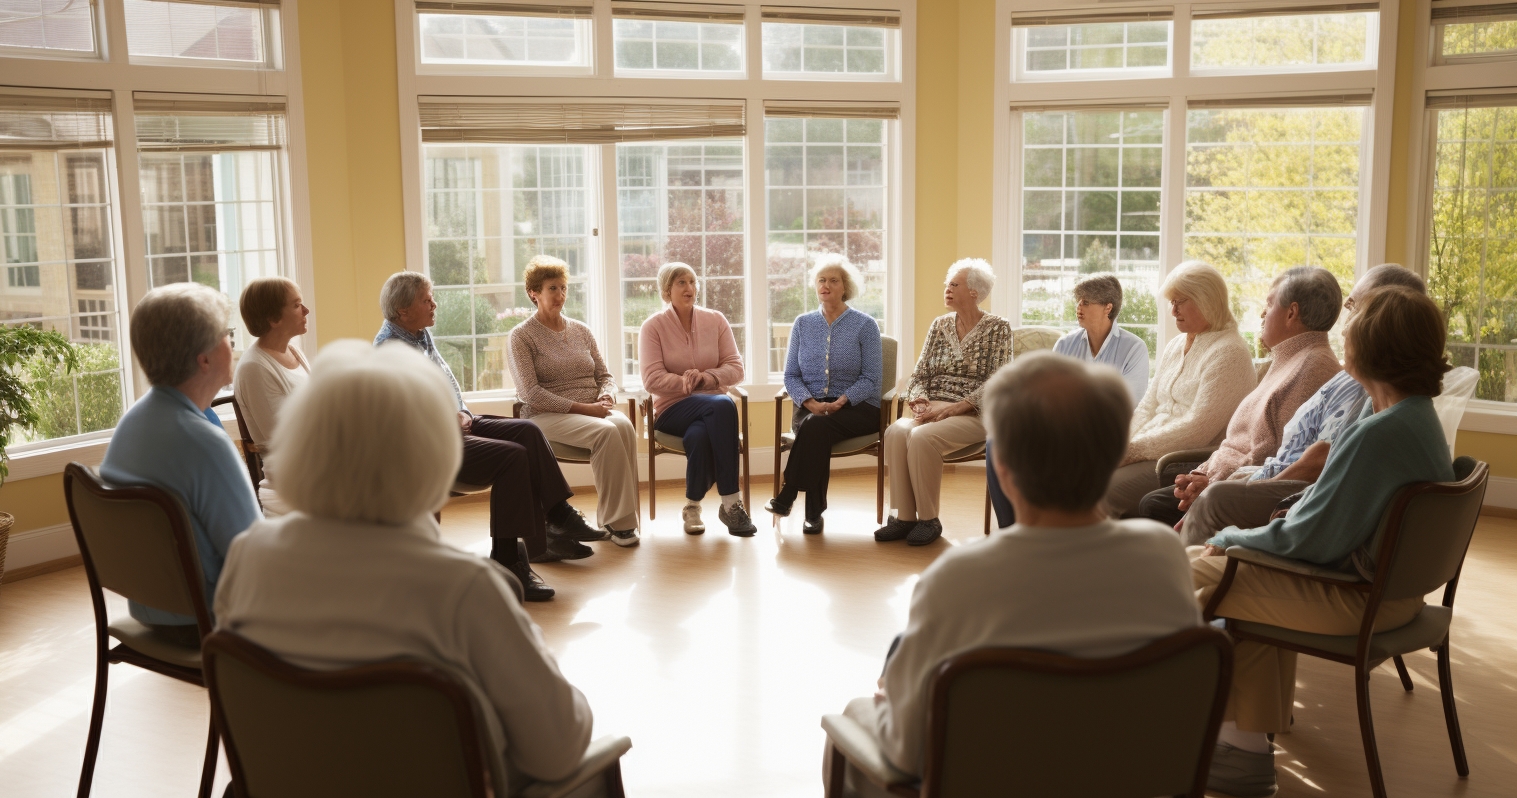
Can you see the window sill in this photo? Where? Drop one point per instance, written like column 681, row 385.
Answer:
column 51, row 460
column 1487, row 416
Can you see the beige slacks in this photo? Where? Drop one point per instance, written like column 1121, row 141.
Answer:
column 1129, row 484
column 1234, row 502
column 612, row 442
column 1264, row 677
column 914, row 454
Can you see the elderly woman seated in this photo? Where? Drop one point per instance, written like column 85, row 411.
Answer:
column 689, row 359
column 272, row 368
column 565, row 388
column 1203, row 375
column 1301, row 307
column 962, row 350
column 358, row 573
column 181, row 341
column 1394, row 347
column 832, row 372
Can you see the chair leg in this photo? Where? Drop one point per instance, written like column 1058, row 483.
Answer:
column 1367, row 730
column 987, row 510
column 1406, row 678
column 613, row 777
column 208, row 772
column 836, row 786
column 652, row 479
column 97, row 718
column 1450, row 713
column 879, row 485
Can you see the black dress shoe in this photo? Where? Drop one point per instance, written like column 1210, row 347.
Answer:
column 779, row 507
column 813, row 526
column 533, row 586
column 563, row 547
column 566, row 520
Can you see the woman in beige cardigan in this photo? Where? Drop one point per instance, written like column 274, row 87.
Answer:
column 1203, row 375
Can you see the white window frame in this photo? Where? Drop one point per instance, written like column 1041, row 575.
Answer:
column 895, row 58
column 113, row 71
column 753, row 88
column 1174, row 91
column 273, row 47
column 1465, row 76
column 586, row 35
column 97, row 24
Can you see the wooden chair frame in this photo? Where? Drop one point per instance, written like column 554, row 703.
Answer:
column 105, row 655
column 252, row 453
column 877, row 448
column 1374, row 592
column 738, row 393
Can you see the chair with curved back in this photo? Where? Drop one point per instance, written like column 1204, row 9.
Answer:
column 1010, row 721
column 252, row 453
column 872, row 443
column 1418, row 547
column 382, row 730
column 664, row 443
column 137, row 543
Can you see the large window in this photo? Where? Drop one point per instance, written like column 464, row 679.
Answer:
column 1235, row 41
column 1053, row 49
column 645, row 45
column 235, row 34
column 505, row 40
column 52, row 27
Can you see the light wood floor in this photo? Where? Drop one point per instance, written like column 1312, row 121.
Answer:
column 718, row 655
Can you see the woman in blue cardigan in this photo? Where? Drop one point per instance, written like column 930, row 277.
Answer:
column 833, row 373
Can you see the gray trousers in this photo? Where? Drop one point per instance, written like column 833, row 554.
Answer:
column 1235, row 502
column 1129, row 484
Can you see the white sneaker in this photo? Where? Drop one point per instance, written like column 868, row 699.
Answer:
column 693, row 523
column 623, row 538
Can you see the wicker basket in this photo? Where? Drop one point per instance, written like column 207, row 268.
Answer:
column 6, row 522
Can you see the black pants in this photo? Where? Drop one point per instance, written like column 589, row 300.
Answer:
column 1006, row 515
column 810, row 464
column 512, row 456
column 1161, row 505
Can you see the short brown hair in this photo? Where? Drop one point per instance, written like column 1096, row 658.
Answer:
column 1060, row 427
column 1397, row 336
column 263, row 303
column 543, row 268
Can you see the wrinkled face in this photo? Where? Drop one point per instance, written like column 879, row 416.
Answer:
column 1188, row 318
column 683, row 290
column 422, row 313
column 957, row 294
column 293, row 319
column 551, row 299
column 1092, row 315
column 830, row 286
column 1276, row 326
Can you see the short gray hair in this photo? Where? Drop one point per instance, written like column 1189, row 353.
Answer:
column 173, row 326
column 667, row 274
column 1315, row 293
column 832, row 261
column 978, row 275
column 1102, row 289
column 328, row 461
column 400, row 292
column 1060, row 428
column 1391, row 274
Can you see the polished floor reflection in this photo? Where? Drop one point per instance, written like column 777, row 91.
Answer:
column 717, row 655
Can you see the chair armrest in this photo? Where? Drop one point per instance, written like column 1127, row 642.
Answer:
column 858, row 745
column 256, row 448
column 601, row 754
column 1198, row 455
column 783, row 394
column 738, row 391
column 1275, row 562
column 515, row 408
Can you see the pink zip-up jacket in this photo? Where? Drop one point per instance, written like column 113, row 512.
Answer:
column 666, row 352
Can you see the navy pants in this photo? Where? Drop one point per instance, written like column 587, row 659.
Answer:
column 708, row 424
column 1006, row 515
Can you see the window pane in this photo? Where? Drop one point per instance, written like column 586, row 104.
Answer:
column 680, row 202
column 678, row 46
column 1091, row 204
column 1489, row 37
column 1306, row 41
column 1472, row 255
column 503, row 40
column 1268, row 189
column 42, row 25
column 829, row 50
column 234, row 34
column 489, row 209
column 60, row 274
column 828, row 193
column 1056, row 50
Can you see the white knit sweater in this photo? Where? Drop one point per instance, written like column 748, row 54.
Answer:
column 1189, row 401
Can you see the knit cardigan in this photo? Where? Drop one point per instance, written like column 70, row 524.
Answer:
column 1302, row 364
column 1191, row 398
column 553, row 369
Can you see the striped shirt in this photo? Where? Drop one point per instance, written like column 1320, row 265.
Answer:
column 1123, row 351
column 1321, row 418
column 422, row 341
column 832, row 360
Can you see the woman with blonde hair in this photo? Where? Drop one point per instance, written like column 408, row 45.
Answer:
column 566, row 389
column 1203, row 375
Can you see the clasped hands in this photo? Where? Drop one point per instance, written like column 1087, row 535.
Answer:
column 1189, row 486
column 819, row 408
column 600, row 408
column 924, row 413
column 696, row 380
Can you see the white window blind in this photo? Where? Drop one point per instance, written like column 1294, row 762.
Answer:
column 173, row 123
column 54, row 122
column 832, row 110
column 571, row 10
column 1497, row 99
column 1092, row 18
column 677, row 12
column 1290, row 11
column 853, row 18
column 456, row 121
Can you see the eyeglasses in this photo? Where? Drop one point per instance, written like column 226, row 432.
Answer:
column 1174, row 304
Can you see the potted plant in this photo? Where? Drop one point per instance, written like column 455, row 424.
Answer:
column 21, row 346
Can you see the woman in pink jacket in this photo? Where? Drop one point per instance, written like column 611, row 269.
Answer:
column 690, row 359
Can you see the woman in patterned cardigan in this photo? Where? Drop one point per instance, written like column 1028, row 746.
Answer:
column 962, row 350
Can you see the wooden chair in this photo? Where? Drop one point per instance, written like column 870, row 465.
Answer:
column 1419, row 545
column 664, row 443
column 137, row 542
column 873, row 443
column 252, row 453
column 387, row 729
column 1008, row 721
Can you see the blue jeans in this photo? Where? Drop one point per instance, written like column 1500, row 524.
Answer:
column 708, row 424
column 1006, row 515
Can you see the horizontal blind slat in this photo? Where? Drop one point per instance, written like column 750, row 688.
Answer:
column 1326, row 8
column 837, row 110
column 1468, row 99
column 451, row 120
column 199, row 123
column 39, row 121
column 1090, row 18
column 1483, row 13
column 254, row 3
column 805, row 15
column 678, row 12
column 1306, row 101
column 1050, row 108
column 581, row 11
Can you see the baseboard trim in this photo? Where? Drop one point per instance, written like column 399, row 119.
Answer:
column 1501, row 494
column 41, row 568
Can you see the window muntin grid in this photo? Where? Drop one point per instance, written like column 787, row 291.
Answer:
column 1296, row 42
column 503, row 40
column 47, row 27
column 1124, row 49
column 676, row 46
column 829, row 51
column 231, row 35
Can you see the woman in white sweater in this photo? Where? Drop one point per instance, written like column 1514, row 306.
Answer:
column 1203, row 375
column 272, row 368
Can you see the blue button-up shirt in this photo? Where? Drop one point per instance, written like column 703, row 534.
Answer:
column 1323, row 417
column 422, row 341
column 832, row 360
column 1123, row 351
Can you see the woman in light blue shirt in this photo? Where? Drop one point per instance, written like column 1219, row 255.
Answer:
column 833, row 373
column 1098, row 300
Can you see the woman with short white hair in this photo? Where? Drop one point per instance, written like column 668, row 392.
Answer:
column 359, row 573
column 1202, row 377
column 962, row 350
column 689, row 359
column 833, row 373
